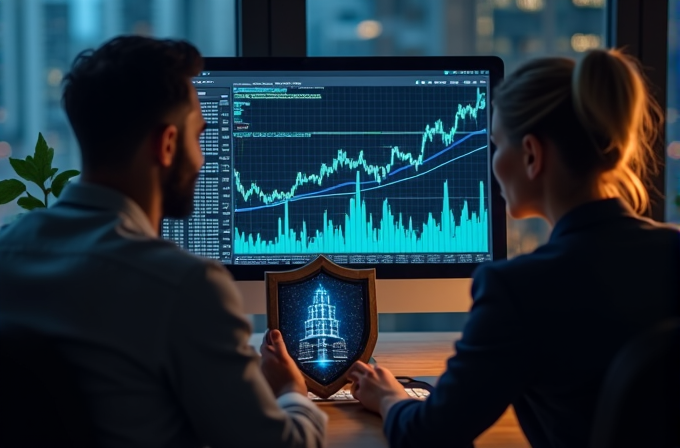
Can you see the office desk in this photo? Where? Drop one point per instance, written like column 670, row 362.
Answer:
column 410, row 354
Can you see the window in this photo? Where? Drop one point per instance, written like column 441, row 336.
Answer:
column 512, row 29
column 40, row 38
column 672, row 118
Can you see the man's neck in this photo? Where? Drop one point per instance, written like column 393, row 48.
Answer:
column 138, row 188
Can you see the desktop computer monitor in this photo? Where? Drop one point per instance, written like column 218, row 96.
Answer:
column 373, row 162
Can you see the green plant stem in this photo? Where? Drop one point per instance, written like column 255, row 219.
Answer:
column 46, row 195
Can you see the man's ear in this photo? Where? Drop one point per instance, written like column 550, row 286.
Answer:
column 167, row 146
column 534, row 156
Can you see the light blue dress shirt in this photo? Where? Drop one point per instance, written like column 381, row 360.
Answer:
column 158, row 336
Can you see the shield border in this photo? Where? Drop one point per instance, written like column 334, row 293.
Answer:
column 323, row 264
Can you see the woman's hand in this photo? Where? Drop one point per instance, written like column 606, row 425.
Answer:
column 375, row 387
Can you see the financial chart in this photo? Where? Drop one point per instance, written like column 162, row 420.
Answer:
column 365, row 167
column 357, row 170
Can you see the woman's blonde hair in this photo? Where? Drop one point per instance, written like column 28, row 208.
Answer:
column 598, row 112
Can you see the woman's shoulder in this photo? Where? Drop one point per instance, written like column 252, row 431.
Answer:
column 542, row 256
column 669, row 229
column 575, row 255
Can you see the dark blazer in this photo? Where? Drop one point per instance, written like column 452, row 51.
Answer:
column 156, row 336
column 543, row 329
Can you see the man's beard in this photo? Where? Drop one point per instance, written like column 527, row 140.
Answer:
column 179, row 185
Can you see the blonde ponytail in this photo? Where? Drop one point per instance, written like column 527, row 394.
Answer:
column 613, row 104
column 598, row 112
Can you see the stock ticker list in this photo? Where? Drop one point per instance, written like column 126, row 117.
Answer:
column 207, row 231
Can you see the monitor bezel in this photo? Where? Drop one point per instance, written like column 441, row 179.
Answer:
column 388, row 63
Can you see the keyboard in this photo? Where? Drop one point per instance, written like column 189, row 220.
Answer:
column 346, row 395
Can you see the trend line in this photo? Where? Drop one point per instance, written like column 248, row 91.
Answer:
column 456, row 143
column 319, row 194
column 378, row 172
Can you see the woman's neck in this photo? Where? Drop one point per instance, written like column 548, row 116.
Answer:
column 559, row 203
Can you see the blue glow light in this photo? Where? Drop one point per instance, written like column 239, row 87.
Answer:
column 324, row 343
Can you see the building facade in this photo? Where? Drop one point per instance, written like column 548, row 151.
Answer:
column 322, row 342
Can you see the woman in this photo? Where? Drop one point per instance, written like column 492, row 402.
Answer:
column 574, row 145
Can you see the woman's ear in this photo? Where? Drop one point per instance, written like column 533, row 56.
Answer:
column 533, row 152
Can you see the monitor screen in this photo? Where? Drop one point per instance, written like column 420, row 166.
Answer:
column 380, row 162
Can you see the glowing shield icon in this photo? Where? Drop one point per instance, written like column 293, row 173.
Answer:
column 328, row 318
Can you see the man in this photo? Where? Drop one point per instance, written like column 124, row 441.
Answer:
column 157, row 336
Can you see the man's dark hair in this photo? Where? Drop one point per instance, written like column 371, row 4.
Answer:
column 116, row 95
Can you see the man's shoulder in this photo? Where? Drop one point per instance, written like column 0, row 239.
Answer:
column 25, row 231
column 165, row 261
column 95, row 242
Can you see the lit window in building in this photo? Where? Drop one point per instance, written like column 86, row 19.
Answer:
column 674, row 150
column 54, row 77
column 589, row 3
column 5, row 150
column 369, row 29
column 485, row 26
column 530, row 5
column 583, row 42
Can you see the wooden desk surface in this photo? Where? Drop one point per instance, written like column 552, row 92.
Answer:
column 411, row 354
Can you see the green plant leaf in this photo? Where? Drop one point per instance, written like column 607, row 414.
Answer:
column 10, row 190
column 25, row 169
column 61, row 180
column 53, row 172
column 677, row 200
column 42, row 160
column 30, row 202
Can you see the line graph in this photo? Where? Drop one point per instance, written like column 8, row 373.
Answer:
column 378, row 172
column 363, row 170
column 323, row 193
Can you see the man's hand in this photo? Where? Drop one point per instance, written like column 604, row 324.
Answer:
column 375, row 387
column 278, row 367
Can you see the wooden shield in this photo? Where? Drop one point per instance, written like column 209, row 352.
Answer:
column 328, row 318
